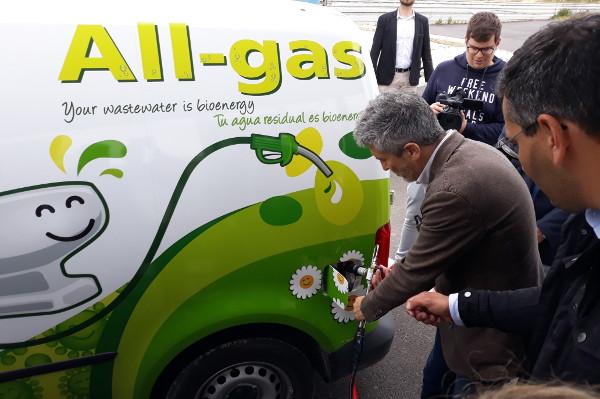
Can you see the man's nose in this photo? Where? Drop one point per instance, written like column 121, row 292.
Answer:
column 384, row 165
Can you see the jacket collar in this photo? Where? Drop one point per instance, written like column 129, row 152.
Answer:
column 445, row 151
column 425, row 176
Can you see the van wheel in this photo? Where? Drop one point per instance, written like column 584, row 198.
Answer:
column 256, row 368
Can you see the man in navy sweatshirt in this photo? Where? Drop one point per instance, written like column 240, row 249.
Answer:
column 475, row 72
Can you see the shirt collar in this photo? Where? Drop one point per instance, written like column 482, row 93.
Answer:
column 424, row 176
column 411, row 16
column 593, row 218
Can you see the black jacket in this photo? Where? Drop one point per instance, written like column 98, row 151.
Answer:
column 384, row 49
column 561, row 320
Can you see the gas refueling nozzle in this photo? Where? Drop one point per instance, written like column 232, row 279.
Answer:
column 351, row 266
column 352, row 270
column 281, row 150
column 360, row 331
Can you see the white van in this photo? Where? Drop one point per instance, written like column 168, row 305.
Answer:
column 176, row 180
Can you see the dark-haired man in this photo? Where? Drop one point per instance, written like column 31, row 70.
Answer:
column 550, row 94
column 400, row 42
column 475, row 73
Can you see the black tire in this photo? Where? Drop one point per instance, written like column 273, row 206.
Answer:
column 254, row 368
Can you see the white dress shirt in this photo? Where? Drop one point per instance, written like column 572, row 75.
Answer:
column 405, row 34
column 424, row 176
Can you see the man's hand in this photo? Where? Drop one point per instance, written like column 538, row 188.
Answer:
column 429, row 308
column 540, row 236
column 463, row 123
column 381, row 273
column 358, row 315
column 437, row 108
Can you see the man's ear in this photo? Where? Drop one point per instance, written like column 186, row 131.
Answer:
column 555, row 135
column 413, row 150
column 498, row 40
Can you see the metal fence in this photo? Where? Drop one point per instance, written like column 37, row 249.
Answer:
column 366, row 12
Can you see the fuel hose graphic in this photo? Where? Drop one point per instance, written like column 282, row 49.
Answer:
column 269, row 150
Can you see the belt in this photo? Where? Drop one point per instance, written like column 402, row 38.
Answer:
column 402, row 69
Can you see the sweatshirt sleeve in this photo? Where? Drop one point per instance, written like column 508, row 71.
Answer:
column 415, row 193
column 484, row 132
column 430, row 92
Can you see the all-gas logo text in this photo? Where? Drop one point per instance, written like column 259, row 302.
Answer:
column 309, row 59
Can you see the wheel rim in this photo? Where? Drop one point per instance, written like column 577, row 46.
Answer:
column 249, row 380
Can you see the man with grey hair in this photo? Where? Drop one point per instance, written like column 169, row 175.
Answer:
column 477, row 228
column 550, row 99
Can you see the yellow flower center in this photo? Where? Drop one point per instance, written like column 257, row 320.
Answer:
column 307, row 281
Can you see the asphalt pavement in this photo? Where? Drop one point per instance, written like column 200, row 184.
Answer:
column 513, row 33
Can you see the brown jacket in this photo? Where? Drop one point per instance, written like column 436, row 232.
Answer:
column 478, row 231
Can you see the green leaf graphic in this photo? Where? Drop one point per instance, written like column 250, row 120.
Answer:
column 280, row 211
column 351, row 149
column 101, row 149
column 118, row 173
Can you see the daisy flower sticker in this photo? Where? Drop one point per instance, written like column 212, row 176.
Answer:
column 354, row 281
column 353, row 255
column 340, row 282
column 341, row 313
column 305, row 282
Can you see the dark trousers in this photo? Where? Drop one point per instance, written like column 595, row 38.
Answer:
column 438, row 380
column 437, row 377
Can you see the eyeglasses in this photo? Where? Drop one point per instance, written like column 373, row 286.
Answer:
column 473, row 50
column 509, row 146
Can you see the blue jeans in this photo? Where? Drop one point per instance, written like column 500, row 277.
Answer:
column 437, row 377
column 460, row 387
column 439, row 381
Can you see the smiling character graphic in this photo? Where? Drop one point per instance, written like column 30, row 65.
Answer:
column 42, row 228
column 305, row 282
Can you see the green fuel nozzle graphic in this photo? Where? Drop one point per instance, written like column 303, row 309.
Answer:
column 281, row 150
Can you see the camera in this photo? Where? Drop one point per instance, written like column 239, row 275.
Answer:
column 450, row 117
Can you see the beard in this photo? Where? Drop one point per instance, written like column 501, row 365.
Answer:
column 407, row 3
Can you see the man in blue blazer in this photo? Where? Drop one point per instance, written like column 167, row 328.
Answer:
column 400, row 42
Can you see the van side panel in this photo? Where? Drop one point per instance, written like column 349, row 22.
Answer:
column 171, row 171
column 202, row 273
